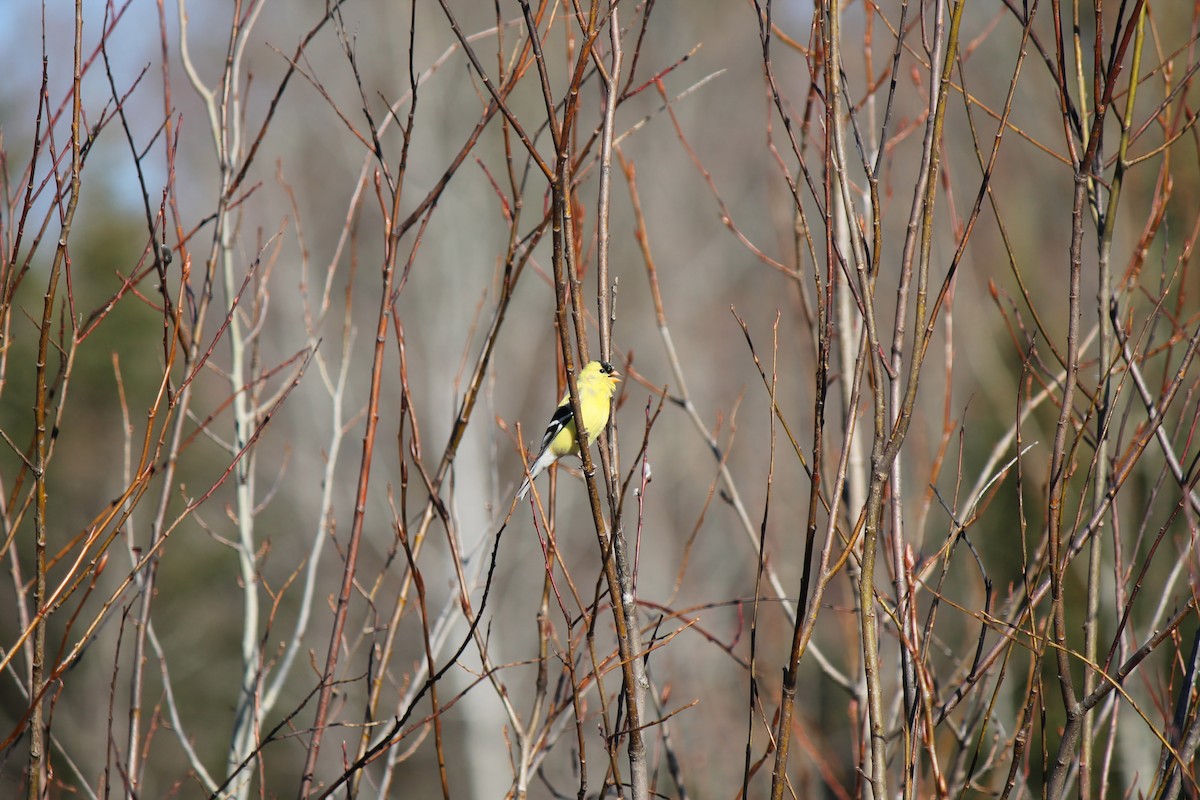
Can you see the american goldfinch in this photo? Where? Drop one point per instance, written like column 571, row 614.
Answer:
column 596, row 383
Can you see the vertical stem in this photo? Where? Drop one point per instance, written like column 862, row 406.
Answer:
column 805, row 618
column 360, row 509
column 1104, row 362
column 876, row 769
column 636, row 681
column 37, row 735
column 1054, row 510
column 37, row 664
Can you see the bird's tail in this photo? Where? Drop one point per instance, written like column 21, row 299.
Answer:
column 544, row 459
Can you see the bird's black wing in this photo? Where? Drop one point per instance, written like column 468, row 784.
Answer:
column 561, row 419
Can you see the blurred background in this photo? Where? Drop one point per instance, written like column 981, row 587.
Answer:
column 280, row 207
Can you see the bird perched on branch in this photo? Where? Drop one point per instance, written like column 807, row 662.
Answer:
column 597, row 382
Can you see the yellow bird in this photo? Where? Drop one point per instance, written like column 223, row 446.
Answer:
column 596, row 383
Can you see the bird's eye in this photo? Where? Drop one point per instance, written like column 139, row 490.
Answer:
column 606, row 367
